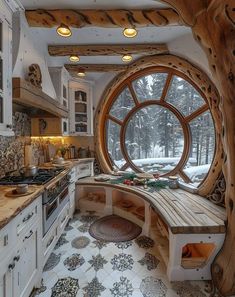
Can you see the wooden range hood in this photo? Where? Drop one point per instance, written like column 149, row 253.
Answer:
column 24, row 93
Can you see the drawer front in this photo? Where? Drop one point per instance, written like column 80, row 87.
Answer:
column 63, row 219
column 49, row 242
column 27, row 217
column 84, row 170
column 6, row 241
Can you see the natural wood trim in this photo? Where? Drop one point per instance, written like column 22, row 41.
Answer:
column 133, row 94
column 73, row 69
column 184, row 176
column 166, row 86
column 123, row 18
column 26, row 94
column 107, row 50
column 196, row 113
column 183, row 68
column 115, row 120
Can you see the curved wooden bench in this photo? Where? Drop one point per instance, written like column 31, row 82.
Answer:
column 190, row 219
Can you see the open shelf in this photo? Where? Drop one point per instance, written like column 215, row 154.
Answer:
column 196, row 255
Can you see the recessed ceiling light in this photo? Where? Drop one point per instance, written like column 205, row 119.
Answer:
column 126, row 58
column 130, row 32
column 74, row 58
column 64, row 31
column 81, row 73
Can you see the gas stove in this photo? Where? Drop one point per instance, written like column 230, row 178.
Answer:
column 42, row 177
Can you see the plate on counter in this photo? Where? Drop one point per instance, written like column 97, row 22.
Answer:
column 14, row 194
column 102, row 178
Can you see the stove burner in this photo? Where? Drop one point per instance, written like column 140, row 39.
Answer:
column 42, row 177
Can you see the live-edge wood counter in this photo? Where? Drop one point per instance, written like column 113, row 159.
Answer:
column 179, row 220
column 182, row 211
column 11, row 207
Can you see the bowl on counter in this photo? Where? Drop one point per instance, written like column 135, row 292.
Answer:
column 22, row 188
column 58, row 160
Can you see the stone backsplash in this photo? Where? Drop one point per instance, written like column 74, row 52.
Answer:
column 12, row 148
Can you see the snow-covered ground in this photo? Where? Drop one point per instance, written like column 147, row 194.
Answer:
column 197, row 173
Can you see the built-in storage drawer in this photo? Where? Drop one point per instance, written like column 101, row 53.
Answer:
column 84, row 170
column 63, row 219
column 49, row 242
column 6, row 240
column 27, row 217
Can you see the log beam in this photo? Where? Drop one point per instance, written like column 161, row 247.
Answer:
column 213, row 26
column 123, row 18
column 74, row 69
column 107, row 50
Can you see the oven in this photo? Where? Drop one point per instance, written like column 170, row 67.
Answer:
column 54, row 199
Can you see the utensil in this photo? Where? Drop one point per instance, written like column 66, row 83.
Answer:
column 28, row 171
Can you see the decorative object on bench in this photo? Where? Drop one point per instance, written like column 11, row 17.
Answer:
column 114, row 228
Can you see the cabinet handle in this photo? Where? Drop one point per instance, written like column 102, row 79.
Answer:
column 16, row 259
column 30, row 234
column 63, row 219
column 50, row 241
column 9, row 126
column 11, row 266
column 28, row 217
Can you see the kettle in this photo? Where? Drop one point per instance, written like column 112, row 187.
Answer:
column 29, row 171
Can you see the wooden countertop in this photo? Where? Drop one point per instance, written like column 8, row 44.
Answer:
column 182, row 211
column 11, row 206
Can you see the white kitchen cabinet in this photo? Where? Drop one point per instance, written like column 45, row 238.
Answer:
column 5, row 70
column 80, row 108
column 71, row 199
column 21, row 238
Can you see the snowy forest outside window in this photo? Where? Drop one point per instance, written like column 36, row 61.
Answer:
column 160, row 122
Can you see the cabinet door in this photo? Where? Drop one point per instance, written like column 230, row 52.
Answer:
column 5, row 76
column 6, row 281
column 27, row 266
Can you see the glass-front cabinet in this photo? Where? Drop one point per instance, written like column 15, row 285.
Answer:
column 5, row 70
column 81, row 114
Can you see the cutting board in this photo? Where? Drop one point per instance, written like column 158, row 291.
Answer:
column 51, row 151
column 28, row 157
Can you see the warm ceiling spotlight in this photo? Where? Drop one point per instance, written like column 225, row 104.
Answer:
column 64, row 31
column 81, row 73
column 74, row 58
column 129, row 32
column 126, row 58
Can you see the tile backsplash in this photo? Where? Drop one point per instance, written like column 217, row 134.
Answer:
column 12, row 148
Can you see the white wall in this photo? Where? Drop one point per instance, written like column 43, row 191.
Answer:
column 186, row 47
column 27, row 49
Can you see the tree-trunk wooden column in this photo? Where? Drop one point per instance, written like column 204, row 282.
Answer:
column 213, row 26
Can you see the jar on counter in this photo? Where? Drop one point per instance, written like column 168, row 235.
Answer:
column 173, row 182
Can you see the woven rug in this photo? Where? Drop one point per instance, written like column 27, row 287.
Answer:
column 114, row 228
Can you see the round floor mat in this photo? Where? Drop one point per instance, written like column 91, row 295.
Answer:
column 114, row 228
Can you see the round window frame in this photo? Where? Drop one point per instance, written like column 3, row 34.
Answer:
column 127, row 82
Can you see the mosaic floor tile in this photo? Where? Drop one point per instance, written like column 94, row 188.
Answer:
column 124, row 244
column 122, row 262
column 62, row 240
column 152, row 287
column 186, row 289
column 52, row 261
column 83, row 228
column 98, row 262
column 123, row 288
column 99, row 244
column 88, row 219
column 65, row 287
column 150, row 261
column 94, row 288
column 145, row 242
column 80, row 242
column 73, row 262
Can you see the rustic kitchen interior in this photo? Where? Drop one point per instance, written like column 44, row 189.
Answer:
column 117, row 148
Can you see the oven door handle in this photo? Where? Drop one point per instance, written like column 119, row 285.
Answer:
column 53, row 200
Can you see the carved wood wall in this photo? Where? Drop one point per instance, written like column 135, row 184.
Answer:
column 213, row 26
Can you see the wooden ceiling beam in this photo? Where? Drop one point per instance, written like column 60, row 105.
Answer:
column 74, row 69
column 123, row 18
column 107, row 50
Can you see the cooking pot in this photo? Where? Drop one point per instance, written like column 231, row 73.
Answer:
column 29, row 170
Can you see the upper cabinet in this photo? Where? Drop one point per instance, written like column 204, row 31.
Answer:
column 80, row 110
column 5, row 70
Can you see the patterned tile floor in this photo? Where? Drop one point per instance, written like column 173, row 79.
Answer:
column 81, row 266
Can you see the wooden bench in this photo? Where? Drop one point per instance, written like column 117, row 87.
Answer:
column 189, row 230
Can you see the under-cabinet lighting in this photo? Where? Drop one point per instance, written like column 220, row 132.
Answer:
column 130, row 32
column 126, row 58
column 64, row 30
column 74, row 58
